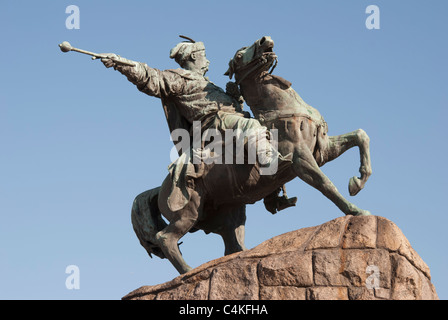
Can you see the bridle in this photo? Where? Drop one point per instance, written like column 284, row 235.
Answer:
column 253, row 66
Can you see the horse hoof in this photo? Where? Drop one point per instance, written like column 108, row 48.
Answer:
column 186, row 269
column 354, row 186
column 363, row 213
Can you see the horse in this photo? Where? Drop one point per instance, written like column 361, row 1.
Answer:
column 218, row 198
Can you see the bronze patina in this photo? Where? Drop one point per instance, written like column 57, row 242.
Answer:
column 212, row 196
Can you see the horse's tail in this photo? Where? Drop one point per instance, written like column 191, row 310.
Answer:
column 147, row 220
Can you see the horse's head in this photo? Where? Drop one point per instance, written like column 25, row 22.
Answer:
column 256, row 58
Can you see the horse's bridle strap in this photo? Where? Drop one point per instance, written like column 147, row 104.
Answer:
column 257, row 63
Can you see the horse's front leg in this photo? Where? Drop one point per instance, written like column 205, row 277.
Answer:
column 333, row 146
column 306, row 168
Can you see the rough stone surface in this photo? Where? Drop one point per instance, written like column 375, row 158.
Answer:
column 348, row 258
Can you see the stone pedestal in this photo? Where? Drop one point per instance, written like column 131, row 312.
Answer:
column 348, row 258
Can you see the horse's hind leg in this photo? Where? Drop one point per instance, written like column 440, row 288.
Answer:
column 181, row 222
column 232, row 231
column 337, row 145
column 306, row 168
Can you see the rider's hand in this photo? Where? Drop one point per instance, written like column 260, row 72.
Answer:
column 108, row 62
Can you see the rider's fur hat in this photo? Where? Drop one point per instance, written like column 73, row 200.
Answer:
column 182, row 51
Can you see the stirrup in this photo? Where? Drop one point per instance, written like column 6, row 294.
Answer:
column 274, row 205
column 284, row 202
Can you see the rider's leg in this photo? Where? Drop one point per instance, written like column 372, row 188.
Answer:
column 256, row 137
column 261, row 142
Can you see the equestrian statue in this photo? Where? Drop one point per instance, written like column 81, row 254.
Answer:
column 208, row 189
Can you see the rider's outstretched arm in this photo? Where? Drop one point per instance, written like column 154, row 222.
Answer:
column 151, row 81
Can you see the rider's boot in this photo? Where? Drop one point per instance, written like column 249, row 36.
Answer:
column 273, row 203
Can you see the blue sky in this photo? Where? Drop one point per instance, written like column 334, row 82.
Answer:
column 79, row 142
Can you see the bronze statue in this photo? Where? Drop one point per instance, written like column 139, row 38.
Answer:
column 303, row 130
column 212, row 196
column 188, row 96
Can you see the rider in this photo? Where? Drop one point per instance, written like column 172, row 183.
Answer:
column 188, row 96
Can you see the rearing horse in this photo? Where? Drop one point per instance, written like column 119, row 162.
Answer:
column 301, row 129
column 218, row 198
